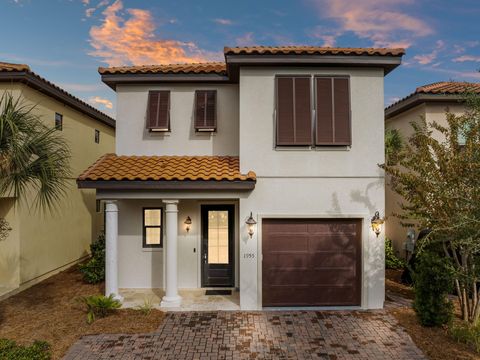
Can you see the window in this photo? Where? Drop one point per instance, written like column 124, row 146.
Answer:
column 97, row 136
column 58, row 121
column 206, row 110
column 158, row 111
column 152, row 228
column 296, row 123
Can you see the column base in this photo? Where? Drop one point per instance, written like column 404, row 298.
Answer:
column 116, row 296
column 171, row 301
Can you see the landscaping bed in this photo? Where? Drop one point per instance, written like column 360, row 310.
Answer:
column 50, row 311
column 435, row 342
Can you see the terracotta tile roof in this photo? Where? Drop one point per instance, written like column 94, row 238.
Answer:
column 36, row 81
column 166, row 168
column 4, row 66
column 310, row 50
column 448, row 87
column 193, row 68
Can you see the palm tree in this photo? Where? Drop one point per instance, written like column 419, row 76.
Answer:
column 34, row 158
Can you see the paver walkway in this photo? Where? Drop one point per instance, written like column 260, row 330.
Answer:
column 259, row 335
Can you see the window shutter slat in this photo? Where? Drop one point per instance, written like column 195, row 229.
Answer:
column 341, row 95
column 205, row 110
column 324, row 112
column 158, row 114
column 303, row 112
column 285, row 108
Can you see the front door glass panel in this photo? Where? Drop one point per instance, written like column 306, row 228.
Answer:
column 218, row 237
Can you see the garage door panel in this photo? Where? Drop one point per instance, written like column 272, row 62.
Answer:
column 286, row 242
column 281, row 260
column 332, row 259
column 318, row 265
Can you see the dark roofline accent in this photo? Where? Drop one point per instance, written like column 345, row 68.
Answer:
column 37, row 82
column 112, row 80
column 413, row 100
column 167, row 185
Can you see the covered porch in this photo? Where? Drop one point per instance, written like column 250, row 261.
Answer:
column 170, row 239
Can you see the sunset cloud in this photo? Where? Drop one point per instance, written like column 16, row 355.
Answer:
column 245, row 40
column 97, row 100
column 425, row 59
column 464, row 58
column 384, row 23
column 223, row 21
column 131, row 39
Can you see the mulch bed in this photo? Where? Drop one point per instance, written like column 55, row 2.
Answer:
column 435, row 343
column 50, row 311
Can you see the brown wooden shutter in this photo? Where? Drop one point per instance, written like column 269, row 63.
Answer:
column 294, row 111
column 206, row 110
column 158, row 112
column 332, row 111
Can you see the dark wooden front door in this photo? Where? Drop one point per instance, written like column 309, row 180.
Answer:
column 311, row 262
column 218, row 245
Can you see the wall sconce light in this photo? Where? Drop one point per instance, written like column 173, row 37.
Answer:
column 377, row 223
column 251, row 225
column 187, row 223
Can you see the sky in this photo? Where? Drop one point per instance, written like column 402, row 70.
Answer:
column 66, row 41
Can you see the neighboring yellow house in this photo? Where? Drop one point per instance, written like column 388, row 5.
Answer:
column 431, row 102
column 42, row 244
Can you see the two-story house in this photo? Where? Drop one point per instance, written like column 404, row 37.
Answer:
column 42, row 244
column 430, row 102
column 258, row 173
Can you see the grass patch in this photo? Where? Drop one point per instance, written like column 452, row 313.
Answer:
column 39, row 350
column 467, row 334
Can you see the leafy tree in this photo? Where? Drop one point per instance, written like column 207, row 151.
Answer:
column 33, row 157
column 439, row 180
column 393, row 145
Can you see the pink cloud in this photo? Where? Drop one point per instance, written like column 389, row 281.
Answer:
column 464, row 58
column 425, row 59
column 245, row 40
column 131, row 40
column 223, row 21
column 95, row 100
column 381, row 22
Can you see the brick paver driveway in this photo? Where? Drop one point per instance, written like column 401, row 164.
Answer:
column 259, row 335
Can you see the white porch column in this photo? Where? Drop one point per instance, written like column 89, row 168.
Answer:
column 171, row 298
column 111, row 249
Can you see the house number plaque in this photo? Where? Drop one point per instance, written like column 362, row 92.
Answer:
column 249, row 256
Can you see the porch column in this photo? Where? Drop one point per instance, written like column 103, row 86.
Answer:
column 111, row 249
column 171, row 298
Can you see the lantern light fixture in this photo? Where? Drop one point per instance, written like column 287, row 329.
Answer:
column 251, row 225
column 187, row 223
column 377, row 223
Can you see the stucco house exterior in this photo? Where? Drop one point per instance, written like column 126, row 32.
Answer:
column 257, row 174
column 42, row 244
column 430, row 102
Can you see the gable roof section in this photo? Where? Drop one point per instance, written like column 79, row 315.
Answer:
column 228, row 71
column 166, row 172
column 22, row 73
column 442, row 91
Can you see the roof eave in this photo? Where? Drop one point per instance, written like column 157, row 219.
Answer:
column 388, row 63
column 417, row 99
column 112, row 80
column 167, row 185
column 35, row 82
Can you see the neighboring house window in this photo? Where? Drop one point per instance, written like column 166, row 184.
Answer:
column 206, row 110
column 97, row 136
column 152, row 227
column 58, row 121
column 296, row 124
column 158, row 111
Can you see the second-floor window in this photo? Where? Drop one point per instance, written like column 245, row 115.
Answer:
column 97, row 136
column 206, row 110
column 58, row 121
column 313, row 114
column 158, row 111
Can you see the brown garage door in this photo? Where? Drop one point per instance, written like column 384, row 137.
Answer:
column 311, row 262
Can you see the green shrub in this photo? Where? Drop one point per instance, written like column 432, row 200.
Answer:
column 94, row 269
column 467, row 334
column 99, row 306
column 391, row 260
column 39, row 350
column 433, row 281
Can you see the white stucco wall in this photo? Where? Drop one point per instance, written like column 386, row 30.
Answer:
column 134, row 139
column 343, row 182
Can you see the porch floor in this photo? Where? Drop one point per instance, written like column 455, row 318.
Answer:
column 192, row 300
